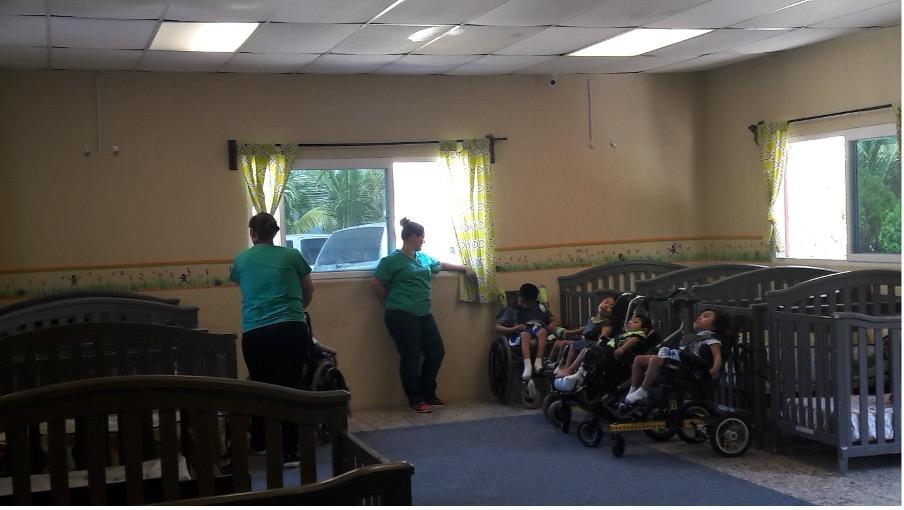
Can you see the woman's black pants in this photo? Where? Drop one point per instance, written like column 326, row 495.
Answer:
column 421, row 350
column 276, row 354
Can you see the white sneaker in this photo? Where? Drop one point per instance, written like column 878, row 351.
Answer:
column 528, row 370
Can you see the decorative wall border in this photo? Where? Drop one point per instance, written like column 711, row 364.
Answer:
column 741, row 248
column 16, row 283
column 201, row 274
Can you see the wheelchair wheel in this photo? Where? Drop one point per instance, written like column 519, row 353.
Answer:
column 589, row 433
column 730, row 437
column 659, row 436
column 327, row 377
column 557, row 412
column 530, row 395
column 499, row 366
column 618, row 445
column 698, row 434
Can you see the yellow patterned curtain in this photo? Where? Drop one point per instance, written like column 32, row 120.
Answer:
column 773, row 140
column 471, row 181
column 266, row 167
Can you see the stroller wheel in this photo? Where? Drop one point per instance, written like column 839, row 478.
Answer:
column 618, row 445
column 695, row 434
column 589, row 433
column 730, row 437
column 530, row 396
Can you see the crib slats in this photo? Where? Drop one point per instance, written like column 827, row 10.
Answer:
column 132, row 441
column 273, row 435
column 96, row 451
column 863, row 379
column 205, row 425
column 20, row 464
column 879, row 366
column 308, row 457
column 169, row 454
column 59, row 474
column 895, row 362
column 238, row 429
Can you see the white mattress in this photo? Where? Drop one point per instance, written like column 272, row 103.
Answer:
column 40, row 483
column 824, row 404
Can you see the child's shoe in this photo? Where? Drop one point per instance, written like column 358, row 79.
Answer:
column 528, row 369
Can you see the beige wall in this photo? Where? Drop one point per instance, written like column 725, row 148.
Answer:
column 857, row 71
column 168, row 196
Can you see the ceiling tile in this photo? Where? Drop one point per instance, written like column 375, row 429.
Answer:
column 498, row 64
column 442, row 12
column 639, row 64
column 720, row 13
column 474, row 40
column 882, row 16
column 379, row 39
column 182, row 61
column 715, row 41
column 793, row 39
column 267, row 63
column 23, row 57
column 348, row 64
column 77, row 58
column 117, row 9
column 629, row 13
column 527, row 13
column 560, row 40
column 233, row 11
column 808, row 13
column 101, row 33
column 569, row 65
column 425, row 64
column 23, row 31
column 297, row 37
column 329, row 11
column 23, row 7
column 704, row 63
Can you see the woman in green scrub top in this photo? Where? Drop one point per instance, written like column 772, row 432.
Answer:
column 402, row 282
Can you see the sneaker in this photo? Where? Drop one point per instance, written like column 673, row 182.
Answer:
column 290, row 460
column 420, row 407
column 436, row 402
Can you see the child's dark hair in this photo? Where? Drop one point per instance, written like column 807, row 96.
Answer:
column 410, row 228
column 721, row 323
column 529, row 292
column 645, row 321
column 264, row 225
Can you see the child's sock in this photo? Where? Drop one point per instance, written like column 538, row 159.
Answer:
column 634, row 396
column 525, row 375
column 631, row 390
column 538, row 365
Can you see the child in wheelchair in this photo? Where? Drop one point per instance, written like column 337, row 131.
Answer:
column 614, row 356
column 601, row 325
column 527, row 320
column 698, row 352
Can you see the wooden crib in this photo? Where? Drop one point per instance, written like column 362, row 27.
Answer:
column 186, row 463
column 835, row 362
column 53, row 311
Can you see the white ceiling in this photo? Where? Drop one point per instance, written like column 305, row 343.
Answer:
column 350, row 36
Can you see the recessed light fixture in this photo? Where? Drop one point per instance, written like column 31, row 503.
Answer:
column 637, row 42
column 211, row 37
column 424, row 34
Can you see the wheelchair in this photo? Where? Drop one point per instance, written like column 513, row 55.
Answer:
column 322, row 373
column 505, row 363
column 678, row 405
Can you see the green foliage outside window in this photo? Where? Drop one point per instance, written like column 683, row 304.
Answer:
column 328, row 200
column 878, row 198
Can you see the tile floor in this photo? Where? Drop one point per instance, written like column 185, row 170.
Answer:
column 805, row 470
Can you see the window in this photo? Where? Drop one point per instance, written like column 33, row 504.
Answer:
column 840, row 197
column 352, row 208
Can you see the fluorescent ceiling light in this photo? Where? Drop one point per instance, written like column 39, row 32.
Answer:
column 637, row 42
column 212, row 37
column 424, row 34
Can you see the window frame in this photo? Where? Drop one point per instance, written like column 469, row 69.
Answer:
column 851, row 136
column 384, row 163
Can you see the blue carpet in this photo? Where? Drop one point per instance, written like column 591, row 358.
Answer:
column 523, row 460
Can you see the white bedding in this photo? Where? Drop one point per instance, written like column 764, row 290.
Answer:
column 41, row 482
column 823, row 405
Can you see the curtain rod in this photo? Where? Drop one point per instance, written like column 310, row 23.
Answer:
column 232, row 147
column 753, row 127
